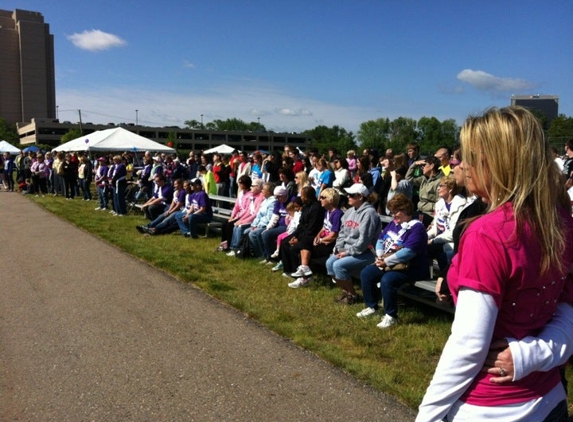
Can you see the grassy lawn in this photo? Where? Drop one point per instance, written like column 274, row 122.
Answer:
column 399, row 361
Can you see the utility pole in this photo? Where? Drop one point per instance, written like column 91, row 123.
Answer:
column 81, row 128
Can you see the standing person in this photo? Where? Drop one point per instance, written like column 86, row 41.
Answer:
column 119, row 183
column 58, row 171
column 234, row 163
column 70, row 176
column 101, row 182
column 244, row 167
column 220, row 174
column 85, row 176
column 526, row 230
column 8, row 172
column 360, row 227
column 39, row 171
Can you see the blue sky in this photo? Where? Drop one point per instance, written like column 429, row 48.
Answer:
column 298, row 64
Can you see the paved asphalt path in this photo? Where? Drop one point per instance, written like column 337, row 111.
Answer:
column 89, row 333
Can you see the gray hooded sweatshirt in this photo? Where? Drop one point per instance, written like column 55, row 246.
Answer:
column 359, row 228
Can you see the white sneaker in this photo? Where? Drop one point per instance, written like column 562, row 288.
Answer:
column 302, row 271
column 299, row 282
column 275, row 254
column 98, row 209
column 231, row 253
column 277, row 267
column 387, row 321
column 366, row 312
column 286, row 275
column 264, row 262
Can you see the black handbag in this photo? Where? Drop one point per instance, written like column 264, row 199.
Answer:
column 244, row 250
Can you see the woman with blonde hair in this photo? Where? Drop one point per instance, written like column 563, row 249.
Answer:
column 512, row 269
column 301, row 180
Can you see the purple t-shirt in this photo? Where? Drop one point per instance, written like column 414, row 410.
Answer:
column 200, row 200
column 281, row 211
column 331, row 222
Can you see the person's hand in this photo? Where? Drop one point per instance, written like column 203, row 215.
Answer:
column 499, row 362
column 379, row 262
column 293, row 241
column 185, row 217
column 441, row 297
column 341, row 254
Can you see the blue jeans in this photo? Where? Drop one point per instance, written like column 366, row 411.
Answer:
column 193, row 220
column 102, row 197
column 163, row 223
column 389, row 281
column 119, row 197
column 343, row 268
column 269, row 240
column 85, row 186
column 256, row 240
column 238, row 232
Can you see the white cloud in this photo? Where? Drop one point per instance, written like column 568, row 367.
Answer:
column 188, row 65
column 96, row 40
column 484, row 81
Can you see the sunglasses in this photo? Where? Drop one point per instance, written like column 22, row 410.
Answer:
column 354, row 195
column 322, row 197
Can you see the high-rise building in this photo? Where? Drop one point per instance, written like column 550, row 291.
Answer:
column 547, row 105
column 27, row 77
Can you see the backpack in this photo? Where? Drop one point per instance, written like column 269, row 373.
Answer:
column 244, row 250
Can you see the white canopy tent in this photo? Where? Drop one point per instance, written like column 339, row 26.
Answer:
column 115, row 139
column 220, row 149
column 8, row 147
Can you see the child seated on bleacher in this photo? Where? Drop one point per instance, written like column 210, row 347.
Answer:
column 293, row 218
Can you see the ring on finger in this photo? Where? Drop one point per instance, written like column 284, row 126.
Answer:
column 502, row 372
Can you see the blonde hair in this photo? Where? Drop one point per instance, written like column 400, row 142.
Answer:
column 501, row 145
column 302, row 180
column 331, row 196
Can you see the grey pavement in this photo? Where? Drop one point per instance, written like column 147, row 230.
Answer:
column 90, row 333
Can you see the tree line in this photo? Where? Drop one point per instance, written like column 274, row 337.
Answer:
column 382, row 133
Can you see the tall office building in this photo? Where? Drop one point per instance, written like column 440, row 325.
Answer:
column 27, row 77
column 545, row 104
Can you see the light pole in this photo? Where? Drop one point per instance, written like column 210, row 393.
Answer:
column 136, row 118
column 58, row 112
column 201, row 121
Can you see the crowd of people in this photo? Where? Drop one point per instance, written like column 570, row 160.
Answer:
column 479, row 211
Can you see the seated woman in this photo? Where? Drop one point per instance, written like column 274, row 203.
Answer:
column 239, row 210
column 403, row 241
column 323, row 242
column 304, row 234
column 360, row 227
column 200, row 211
column 446, row 214
column 263, row 215
column 287, row 179
column 264, row 244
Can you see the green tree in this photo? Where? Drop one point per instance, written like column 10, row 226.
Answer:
column 402, row 131
column 323, row 138
column 374, row 133
column 72, row 134
column 192, row 124
column 561, row 129
column 450, row 132
column 8, row 132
